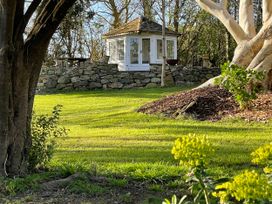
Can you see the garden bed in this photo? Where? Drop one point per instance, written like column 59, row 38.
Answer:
column 211, row 103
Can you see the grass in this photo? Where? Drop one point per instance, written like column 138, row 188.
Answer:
column 106, row 133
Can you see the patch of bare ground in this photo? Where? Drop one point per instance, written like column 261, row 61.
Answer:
column 210, row 103
column 58, row 191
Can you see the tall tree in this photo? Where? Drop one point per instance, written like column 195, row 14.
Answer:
column 254, row 48
column 147, row 7
column 21, row 59
column 118, row 10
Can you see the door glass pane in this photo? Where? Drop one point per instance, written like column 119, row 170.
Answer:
column 112, row 50
column 159, row 49
column 146, row 51
column 134, row 48
column 120, row 49
column 170, row 49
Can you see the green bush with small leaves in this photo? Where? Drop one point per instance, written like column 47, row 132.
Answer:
column 45, row 129
column 241, row 82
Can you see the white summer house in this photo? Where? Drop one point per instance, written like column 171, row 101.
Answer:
column 137, row 44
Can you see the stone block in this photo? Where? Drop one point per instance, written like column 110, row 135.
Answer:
column 75, row 79
column 94, row 85
column 155, row 80
column 64, row 80
column 116, row 85
column 151, row 85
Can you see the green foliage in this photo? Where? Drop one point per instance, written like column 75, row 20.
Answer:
column 45, row 130
column 155, row 187
column 262, row 155
column 174, row 200
column 192, row 150
column 118, row 182
column 83, row 186
column 242, row 83
column 249, row 187
column 19, row 185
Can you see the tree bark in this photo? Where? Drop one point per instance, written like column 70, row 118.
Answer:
column 20, row 65
column 254, row 49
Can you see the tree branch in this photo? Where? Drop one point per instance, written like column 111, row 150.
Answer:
column 30, row 11
column 261, row 58
column 246, row 17
column 24, row 19
column 46, row 24
column 224, row 4
column 223, row 15
column 267, row 10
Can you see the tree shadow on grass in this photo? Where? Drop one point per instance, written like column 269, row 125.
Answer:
column 151, row 93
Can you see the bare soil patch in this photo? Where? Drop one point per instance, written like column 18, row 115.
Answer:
column 211, row 103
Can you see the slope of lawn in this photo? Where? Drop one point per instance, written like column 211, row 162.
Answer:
column 109, row 136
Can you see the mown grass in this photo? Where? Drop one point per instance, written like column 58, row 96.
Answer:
column 108, row 136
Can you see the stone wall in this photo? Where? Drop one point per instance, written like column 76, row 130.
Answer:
column 88, row 76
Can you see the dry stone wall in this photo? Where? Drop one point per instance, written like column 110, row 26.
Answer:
column 88, row 76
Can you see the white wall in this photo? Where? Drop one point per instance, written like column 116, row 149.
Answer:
column 124, row 65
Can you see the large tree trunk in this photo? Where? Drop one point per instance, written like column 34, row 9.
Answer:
column 20, row 65
column 18, row 89
column 254, row 50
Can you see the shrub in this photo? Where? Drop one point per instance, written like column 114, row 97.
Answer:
column 263, row 156
column 242, row 83
column 45, row 130
column 192, row 150
column 249, row 187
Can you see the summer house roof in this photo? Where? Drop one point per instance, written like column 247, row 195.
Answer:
column 137, row 26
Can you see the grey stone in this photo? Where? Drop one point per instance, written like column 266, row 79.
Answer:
column 51, row 83
column 104, row 81
column 64, row 80
column 116, row 85
column 88, row 72
column 145, row 81
column 75, row 79
column 94, row 85
column 155, row 80
column 80, row 83
column 151, row 85
column 84, row 78
column 60, row 86
column 169, row 81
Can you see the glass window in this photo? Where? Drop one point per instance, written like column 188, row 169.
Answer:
column 112, row 50
column 146, row 51
column 134, row 48
column 120, row 49
column 159, row 49
column 170, row 49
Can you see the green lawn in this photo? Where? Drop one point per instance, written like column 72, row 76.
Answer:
column 108, row 134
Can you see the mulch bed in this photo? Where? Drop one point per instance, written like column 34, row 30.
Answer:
column 210, row 103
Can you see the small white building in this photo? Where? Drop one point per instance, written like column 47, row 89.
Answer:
column 137, row 44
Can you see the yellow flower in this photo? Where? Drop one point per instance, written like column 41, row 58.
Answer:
column 192, row 150
column 262, row 155
column 248, row 185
